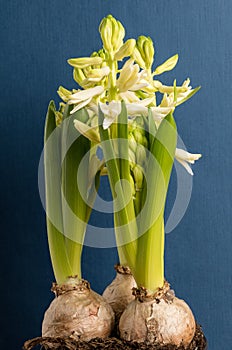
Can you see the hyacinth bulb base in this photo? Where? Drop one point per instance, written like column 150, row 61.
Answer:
column 161, row 319
column 77, row 311
column 119, row 293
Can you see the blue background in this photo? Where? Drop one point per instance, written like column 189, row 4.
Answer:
column 37, row 37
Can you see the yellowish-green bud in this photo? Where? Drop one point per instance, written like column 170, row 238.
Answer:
column 140, row 122
column 59, row 117
column 132, row 185
column 101, row 54
column 138, row 58
column 138, row 136
column 167, row 65
column 78, row 75
column 64, row 93
column 146, row 49
column 112, row 33
column 118, row 34
column 140, row 155
column 62, row 107
column 131, row 158
column 83, row 62
column 145, row 142
column 138, row 176
column 132, row 143
column 125, row 50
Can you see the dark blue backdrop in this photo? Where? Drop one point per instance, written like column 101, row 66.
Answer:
column 37, row 37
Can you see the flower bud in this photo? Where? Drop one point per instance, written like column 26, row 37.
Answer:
column 140, row 154
column 132, row 185
column 59, row 117
column 64, row 93
column 129, row 76
column 145, row 142
column 78, row 75
column 138, row 58
column 83, row 62
column 138, row 176
column 101, row 54
column 146, row 50
column 138, row 136
column 167, row 65
column 112, row 33
column 132, row 160
column 125, row 50
column 132, row 143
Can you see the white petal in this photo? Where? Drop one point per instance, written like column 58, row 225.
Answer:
column 90, row 132
column 186, row 156
column 93, row 107
column 146, row 101
column 112, row 109
column 107, row 122
column 80, row 105
column 138, row 86
column 134, row 109
column 160, row 112
column 129, row 97
column 99, row 73
column 185, row 165
column 85, row 94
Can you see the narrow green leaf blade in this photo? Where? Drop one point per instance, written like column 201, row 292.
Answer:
column 150, row 258
column 52, row 167
column 74, row 207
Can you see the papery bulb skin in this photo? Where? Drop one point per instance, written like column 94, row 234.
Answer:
column 159, row 319
column 119, row 293
column 77, row 311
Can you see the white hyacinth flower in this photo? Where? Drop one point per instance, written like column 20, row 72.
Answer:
column 90, row 132
column 130, row 78
column 139, row 107
column 96, row 75
column 84, row 97
column 184, row 157
column 110, row 110
column 159, row 112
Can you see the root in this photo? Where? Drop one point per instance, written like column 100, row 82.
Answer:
column 72, row 343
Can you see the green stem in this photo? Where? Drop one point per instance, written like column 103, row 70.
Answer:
column 113, row 65
column 124, row 167
column 124, row 231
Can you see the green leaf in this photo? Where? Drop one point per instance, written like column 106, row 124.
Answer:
column 74, row 207
column 52, row 167
column 152, row 129
column 150, row 257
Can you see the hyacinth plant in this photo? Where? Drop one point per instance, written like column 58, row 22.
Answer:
column 138, row 137
column 114, row 107
column 70, row 193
